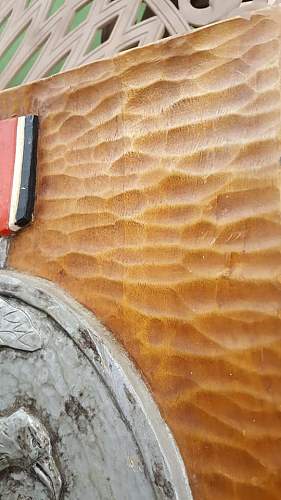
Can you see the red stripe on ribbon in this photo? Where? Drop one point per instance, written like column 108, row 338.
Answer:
column 8, row 139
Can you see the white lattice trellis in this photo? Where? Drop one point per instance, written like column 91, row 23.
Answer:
column 40, row 37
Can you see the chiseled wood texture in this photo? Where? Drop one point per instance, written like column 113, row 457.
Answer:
column 159, row 209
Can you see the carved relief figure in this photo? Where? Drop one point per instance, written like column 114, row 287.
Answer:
column 17, row 330
column 25, row 444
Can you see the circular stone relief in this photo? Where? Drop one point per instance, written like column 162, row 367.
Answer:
column 76, row 420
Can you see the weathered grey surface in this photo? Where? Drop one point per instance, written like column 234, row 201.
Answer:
column 4, row 247
column 108, row 438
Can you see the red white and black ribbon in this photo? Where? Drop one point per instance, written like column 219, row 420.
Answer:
column 18, row 156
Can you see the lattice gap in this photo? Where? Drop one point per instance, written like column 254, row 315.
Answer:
column 58, row 66
column 55, row 6
column 4, row 22
column 12, row 48
column 201, row 4
column 102, row 34
column 144, row 12
column 23, row 71
column 95, row 30
column 80, row 15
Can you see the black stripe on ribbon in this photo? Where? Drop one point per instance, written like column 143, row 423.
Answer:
column 28, row 177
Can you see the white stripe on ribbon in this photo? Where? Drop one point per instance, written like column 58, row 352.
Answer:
column 17, row 174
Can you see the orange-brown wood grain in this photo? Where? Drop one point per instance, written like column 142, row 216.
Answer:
column 158, row 207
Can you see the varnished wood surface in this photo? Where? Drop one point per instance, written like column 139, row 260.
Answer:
column 159, row 209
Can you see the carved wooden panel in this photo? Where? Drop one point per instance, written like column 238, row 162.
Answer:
column 41, row 37
column 159, row 209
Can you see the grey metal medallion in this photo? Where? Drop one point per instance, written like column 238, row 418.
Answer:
column 76, row 420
